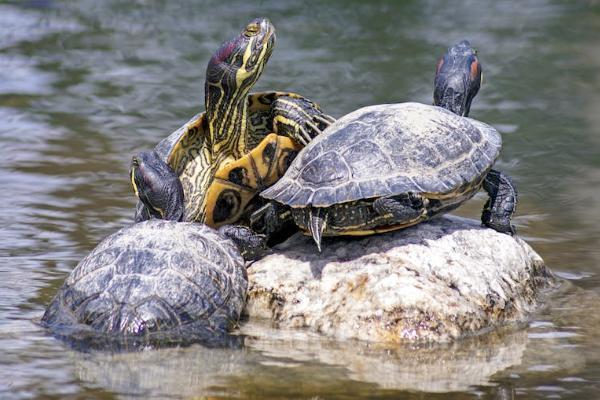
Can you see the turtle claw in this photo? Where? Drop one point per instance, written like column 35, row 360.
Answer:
column 324, row 119
column 303, row 140
column 317, row 226
column 252, row 246
column 314, row 128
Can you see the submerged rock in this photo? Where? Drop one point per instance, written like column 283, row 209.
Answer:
column 436, row 281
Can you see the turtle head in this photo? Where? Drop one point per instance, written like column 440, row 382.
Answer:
column 457, row 79
column 157, row 186
column 238, row 63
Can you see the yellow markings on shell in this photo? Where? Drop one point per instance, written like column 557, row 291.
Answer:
column 356, row 231
column 179, row 151
column 283, row 145
column 246, row 163
column 259, row 174
column 191, row 159
column 216, row 188
column 290, row 94
column 255, row 104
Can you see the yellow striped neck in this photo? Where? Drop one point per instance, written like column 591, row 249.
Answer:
column 226, row 101
column 227, row 116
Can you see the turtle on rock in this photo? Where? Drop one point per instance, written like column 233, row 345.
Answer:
column 244, row 141
column 390, row 166
column 157, row 282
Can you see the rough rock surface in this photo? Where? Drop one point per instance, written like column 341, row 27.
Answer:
column 436, row 281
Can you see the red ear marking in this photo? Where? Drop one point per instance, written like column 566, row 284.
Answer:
column 475, row 68
column 439, row 65
column 224, row 51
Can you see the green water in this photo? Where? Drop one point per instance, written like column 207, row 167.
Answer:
column 85, row 84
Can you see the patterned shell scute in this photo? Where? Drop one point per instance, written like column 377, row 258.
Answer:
column 154, row 276
column 386, row 150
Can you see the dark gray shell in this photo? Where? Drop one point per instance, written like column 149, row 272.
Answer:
column 386, row 150
column 157, row 281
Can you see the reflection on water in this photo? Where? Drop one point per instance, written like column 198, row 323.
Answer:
column 83, row 85
column 281, row 354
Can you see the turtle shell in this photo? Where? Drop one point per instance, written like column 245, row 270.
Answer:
column 156, row 281
column 187, row 151
column 386, row 150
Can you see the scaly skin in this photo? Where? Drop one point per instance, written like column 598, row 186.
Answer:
column 235, row 122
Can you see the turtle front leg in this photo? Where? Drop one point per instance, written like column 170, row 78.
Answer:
column 252, row 246
column 402, row 208
column 502, row 204
column 275, row 221
column 298, row 118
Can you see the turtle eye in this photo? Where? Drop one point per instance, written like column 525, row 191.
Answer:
column 251, row 30
column 135, row 162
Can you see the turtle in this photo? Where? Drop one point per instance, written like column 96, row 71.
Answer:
column 390, row 166
column 157, row 282
column 244, row 141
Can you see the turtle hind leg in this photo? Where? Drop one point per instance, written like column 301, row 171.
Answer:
column 502, row 204
column 402, row 208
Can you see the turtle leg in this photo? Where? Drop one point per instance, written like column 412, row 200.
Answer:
column 275, row 221
column 298, row 118
column 252, row 246
column 235, row 185
column 402, row 208
column 501, row 205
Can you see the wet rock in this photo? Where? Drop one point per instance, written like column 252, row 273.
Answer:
column 437, row 281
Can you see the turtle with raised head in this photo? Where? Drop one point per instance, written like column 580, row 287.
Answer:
column 390, row 166
column 243, row 142
column 157, row 282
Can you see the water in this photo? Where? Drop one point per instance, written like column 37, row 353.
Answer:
column 85, row 84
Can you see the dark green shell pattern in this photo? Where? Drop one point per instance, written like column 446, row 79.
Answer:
column 386, row 150
column 152, row 283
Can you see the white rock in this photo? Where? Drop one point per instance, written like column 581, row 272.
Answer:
column 437, row 281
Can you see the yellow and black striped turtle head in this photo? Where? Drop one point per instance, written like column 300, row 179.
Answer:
column 231, row 73
column 239, row 62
